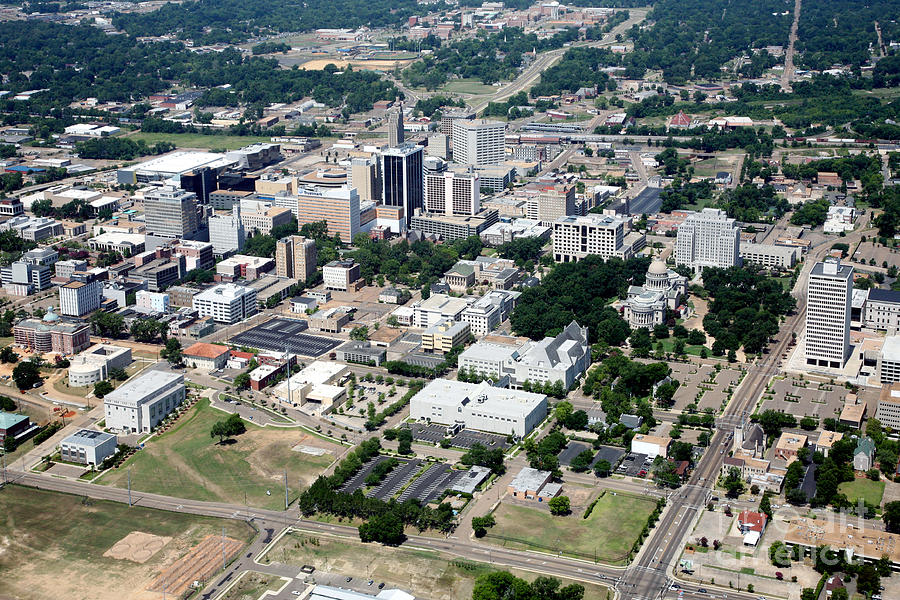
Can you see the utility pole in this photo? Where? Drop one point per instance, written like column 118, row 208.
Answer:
column 223, row 547
column 285, row 490
column 129, row 486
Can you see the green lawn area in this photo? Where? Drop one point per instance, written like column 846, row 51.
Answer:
column 187, row 463
column 669, row 345
column 197, row 140
column 424, row 573
column 468, row 86
column 44, row 530
column 868, row 490
column 606, row 536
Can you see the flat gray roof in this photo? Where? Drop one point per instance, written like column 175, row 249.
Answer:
column 89, row 437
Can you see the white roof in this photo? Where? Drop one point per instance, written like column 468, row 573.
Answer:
column 116, row 238
column 181, row 162
column 76, row 194
column 891, row 348
column 452, row 394
column 143, row 387
column 751, row 538
column 485, row 350
column 224, row 292
column 447, row 305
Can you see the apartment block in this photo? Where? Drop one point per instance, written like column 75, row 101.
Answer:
column 295, row 257
column 576, row 237
column 478, row 142
column 226, row 303
column 340, row 275
column 452, row 193
column 551, row 204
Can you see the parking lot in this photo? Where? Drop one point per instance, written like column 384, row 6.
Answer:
column 694, row 379
column 430, row 484
column 572, row 450
column 610, row 454
column 633, row 464
column 396, row 479
column 466, row 438
column 281, row 334
column 359, row 480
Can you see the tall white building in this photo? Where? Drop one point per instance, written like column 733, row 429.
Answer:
column 227, row 233
column 140, row 404
column 452, row 193
column 576, row 237
column 828, row 296
column 80, row 297
column 226, row 303
column 709, row 238
column 479, row 142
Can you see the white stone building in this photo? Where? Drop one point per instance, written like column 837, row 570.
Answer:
column 142, row 403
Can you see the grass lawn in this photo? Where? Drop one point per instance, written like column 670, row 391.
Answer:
column 252, row 585
column 187, row 463
column 427, row 574
column 468, row 86
column 197, row 140
column 669, row 345
column 868, row 490
column 53, row 544
column 607, row 534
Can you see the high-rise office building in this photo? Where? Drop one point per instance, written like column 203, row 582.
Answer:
column 365, row 177
column 338, row 207
column 551, row 203
column 227, row 233
column 709, row 238
column 828, row 294
column 295, row 257
column 395, row 127
column 452, row 193
column 81, row 295
column 171, row 212
column 439, row 145
column 479, row 142
column 402, row 179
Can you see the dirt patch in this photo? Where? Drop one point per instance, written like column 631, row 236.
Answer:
column 199, row 564
column 137, row 547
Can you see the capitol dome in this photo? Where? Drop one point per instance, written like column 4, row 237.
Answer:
column 50, row 317
column 657, row 267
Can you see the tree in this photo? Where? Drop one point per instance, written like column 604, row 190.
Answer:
column 102, row 388
column 172, row 351
column 386, row 528
column 867, row 580
column 891, row 516
column 560, row 506
column 582, row 461
column 359, row 333
column 107, row 324
column 840, row 594
column 8, row 355
column 118, row 373
column 242, row 381
column 219, row 430
column 733, row 483
column 26, row 375
column 780, row 554
column 481, row 524
column 602, row 468
column 227, row 428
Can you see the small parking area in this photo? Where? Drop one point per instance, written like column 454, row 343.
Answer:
column 633, row 464
column 281, row 334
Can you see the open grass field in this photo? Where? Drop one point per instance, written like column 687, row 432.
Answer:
column 52, row 545
column 669, row 345
column 605, row 536
column 467, row 86
column 186, row 462
column 870, row 491
column 197, row 140
column 424, row 573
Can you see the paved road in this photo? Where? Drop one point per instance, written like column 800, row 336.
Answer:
column 544, row 61
column 788, row 73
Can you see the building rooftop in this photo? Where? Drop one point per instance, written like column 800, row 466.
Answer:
column 223, row 292
column 443, row 303
column 858, row 539
column 853, row 411
column 828, row 438
column 89, row 437
column 140, row 387
column 8, row 420
column 791, row 441
column 880, row 295
column 203, row 350
column 529, row 479
column 660, row 441
column 453, row 394
column 493, row 350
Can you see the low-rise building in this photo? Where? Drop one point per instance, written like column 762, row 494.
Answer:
column 788, row 445
column 226, row 303
column 126, row 244
column 240, row 266
column 17, row 427
column 88, row 447
column 769, row 256
column 559, row 359
column 479, row 406
column 444, row 335
column 853, row 412
column 532, row 484
column 209, row 357
column 508, row 231
column 864, row 454
column 391, row 295
column 882, row 310
column 51, row 334
column 436, row 307
column 341, row 275
column 330, row 320
column 152, row 301
column 139, row 405
column 361, row 352
column 487, row 357
column 316, row 388
column 651, row 445
column 888, row 362
column 826, row 440
column 486, row 313
column 95, row 363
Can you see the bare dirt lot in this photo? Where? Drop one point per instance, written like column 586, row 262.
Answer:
column 137, row 547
